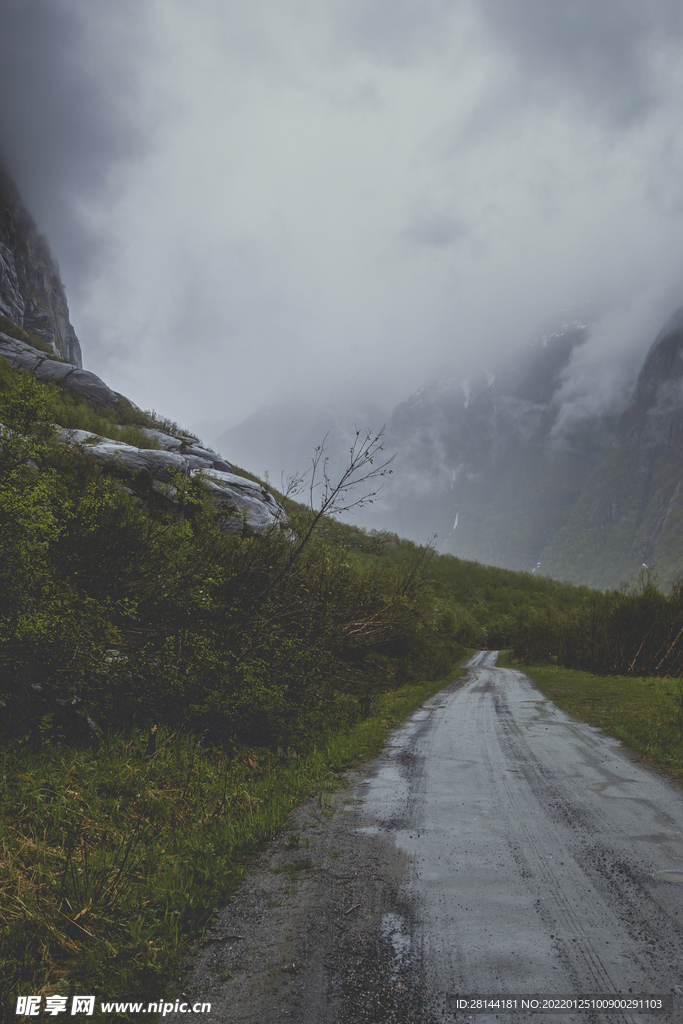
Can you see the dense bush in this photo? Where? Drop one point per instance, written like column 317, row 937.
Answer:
column 116, row 611
column 634, row 631
column 490, row 605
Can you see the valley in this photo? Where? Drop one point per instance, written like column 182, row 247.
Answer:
column 188, row 653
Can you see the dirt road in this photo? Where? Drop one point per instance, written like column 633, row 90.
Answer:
column 497, row 847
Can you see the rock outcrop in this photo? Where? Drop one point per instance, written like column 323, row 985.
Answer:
column 242, row 502
column 23, row 356
column 32, row 296
column 36, row 336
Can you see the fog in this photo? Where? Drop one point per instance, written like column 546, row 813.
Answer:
column 329, row 203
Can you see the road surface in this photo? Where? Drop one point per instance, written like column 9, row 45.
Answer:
column 498, row 847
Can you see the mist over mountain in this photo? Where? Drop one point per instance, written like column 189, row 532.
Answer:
column 286, row 222
column 512, row 466
column 630, row 513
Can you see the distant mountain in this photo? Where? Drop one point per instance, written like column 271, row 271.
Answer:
column 481, row 461
column 475, row 463
column 478, row 461
column 630, row 510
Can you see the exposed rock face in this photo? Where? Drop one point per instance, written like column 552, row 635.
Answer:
column 655, row 415
column 593, row 509
column 37, row 337
column 242, row 501
column 22, row 356
column 31, row 292
column 477, row 462
column 256, row 507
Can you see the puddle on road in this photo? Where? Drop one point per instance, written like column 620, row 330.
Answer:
column 599, row 787
column 672, row 876
column 657, row 837
column 395, row 929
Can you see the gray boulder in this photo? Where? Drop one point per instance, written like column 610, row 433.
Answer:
column 166, row 441
column 243, row 501
column 247, row 501
column 197, row 456
column 195, row 451
column 151, row 461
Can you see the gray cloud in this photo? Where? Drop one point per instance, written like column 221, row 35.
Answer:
column 68, row 111
column 256, row 203
column 437, row 231
column 395, row 31
column 609, row 53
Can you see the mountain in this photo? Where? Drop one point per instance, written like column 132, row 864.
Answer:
column 483, row 464
column 480, row 460
column 630, row 510
column 476, row 462
column 37, row 337
column 479, row 463
column 33, row 305
column 487, row 464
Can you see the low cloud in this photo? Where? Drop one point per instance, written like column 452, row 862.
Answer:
column 256, row 204
column 601, row 374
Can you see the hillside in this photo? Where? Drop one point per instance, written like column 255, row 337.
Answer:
column 208, row 600
column 184, row 656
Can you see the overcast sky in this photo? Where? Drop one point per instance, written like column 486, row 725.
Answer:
column 252, row 201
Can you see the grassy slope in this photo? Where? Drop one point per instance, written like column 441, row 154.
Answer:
column 140, row 848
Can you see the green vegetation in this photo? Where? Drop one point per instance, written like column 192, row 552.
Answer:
column 634, row 631
column 644, row 713
column 112, row 859
column 492, row 605
column 147, row 613
column 615, row 661
column 169, row 691
column 19, row 333
column 68, row 408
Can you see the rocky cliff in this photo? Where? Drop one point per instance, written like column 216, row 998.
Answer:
column 37, row 337
column 33, row 305
column 482, row 464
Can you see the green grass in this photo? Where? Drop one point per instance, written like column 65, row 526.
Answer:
column 645, row 713
column 68, row 408
column 13, row 330
column 113, row 860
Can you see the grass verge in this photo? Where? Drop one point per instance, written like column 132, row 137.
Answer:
column 645, row 713
column 113, row 860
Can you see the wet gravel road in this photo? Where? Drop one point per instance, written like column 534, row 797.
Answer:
column 496, row 847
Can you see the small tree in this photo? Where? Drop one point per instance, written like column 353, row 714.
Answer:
column 336, row 498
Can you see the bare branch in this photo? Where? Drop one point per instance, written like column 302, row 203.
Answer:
column 335, row 499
